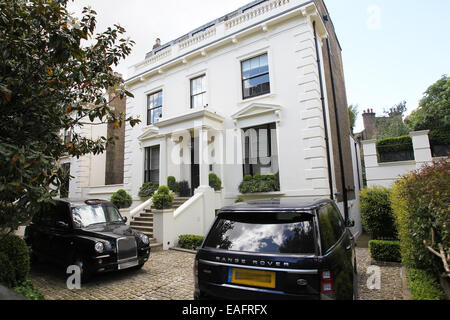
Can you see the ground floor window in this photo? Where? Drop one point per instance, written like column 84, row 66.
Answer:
column 151, row 167
column 260, row 150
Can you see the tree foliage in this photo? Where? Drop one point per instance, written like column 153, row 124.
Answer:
column 434, row 108
column 353, row 115
column 54, row 72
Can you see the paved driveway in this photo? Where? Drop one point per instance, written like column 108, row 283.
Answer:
column 167, row 275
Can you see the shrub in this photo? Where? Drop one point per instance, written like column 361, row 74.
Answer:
column 7, row 274
column 16, row 249
column 421, row 202
column 191, row 242
column 215, row 182
column 439, row 137
column 403, row 143
column 163, row 198
column 376, row 212
column 383, row 250
column 121, row 199
column 239, row 199
column 28, row 290
column 148, row 189
column 183, row 189
column 424, row 285
column 259, row 183
column 172, row 184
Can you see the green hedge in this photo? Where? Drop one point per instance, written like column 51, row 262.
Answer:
column 403, row 143
column 189, row 241
column 420, row 201
column 424, row 285
column 259, row 183
column 383, row 250
column 7, row 273
column 121, row 199
column 18, row 254
column 376, row 212
column 439, row 137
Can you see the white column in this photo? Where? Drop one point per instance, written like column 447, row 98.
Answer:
column 163, row 161
column 203, row 156
column 421, row 146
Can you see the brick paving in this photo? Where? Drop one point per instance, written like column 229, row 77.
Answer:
column 167, row 275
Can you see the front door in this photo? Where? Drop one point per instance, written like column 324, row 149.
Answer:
column 195, row 164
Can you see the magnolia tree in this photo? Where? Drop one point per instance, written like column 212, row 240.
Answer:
column 54, row 73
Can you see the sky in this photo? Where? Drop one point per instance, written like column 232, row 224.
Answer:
column 392, row 50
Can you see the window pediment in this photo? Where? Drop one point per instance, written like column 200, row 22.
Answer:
column 255, row 110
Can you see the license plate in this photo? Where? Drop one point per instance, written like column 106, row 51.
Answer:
column 127, row 265
column 255, row 278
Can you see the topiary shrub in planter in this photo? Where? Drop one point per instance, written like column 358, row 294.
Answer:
column 383, row 250
column 376, row 212
column 148, row 189
column 259, row 183
column 172, row 184
column 16, row 249
column 121, row 199
column 215, row 182
column 163, row 198
column 190, row 242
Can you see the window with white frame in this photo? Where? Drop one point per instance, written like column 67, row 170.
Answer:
column 198, row 92
column 154, row 107
column 151, row 165
column 255, row 76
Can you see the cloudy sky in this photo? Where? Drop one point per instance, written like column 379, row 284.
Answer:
column 392, row 50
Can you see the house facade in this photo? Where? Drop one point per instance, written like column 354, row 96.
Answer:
column 258, row 91
column 97, row 176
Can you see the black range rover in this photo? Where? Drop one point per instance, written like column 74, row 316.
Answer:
column 91, row 234
column 277, row 249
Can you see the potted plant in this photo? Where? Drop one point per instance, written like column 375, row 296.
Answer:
column 163, row 198
column 148, row 189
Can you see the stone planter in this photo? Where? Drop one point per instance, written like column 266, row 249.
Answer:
column 163, row 227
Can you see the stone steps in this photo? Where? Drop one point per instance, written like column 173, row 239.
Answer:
column 144, row 223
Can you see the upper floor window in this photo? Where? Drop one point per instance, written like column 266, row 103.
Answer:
column 198, row 92
column 255, row 76
column 154, row 107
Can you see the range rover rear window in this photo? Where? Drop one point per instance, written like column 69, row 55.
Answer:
column 278, row 232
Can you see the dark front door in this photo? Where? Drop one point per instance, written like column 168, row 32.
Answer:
column 195, row 167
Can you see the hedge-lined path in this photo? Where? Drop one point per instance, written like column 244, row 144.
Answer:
column 168, row 275
column 391, row 284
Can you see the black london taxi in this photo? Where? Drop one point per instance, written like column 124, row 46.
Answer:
column 90, row 234
column 277, row 249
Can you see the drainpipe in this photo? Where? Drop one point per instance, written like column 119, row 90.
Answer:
column 322, row 98
column 341, row 159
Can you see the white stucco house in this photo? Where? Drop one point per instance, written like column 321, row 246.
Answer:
column 258, row 91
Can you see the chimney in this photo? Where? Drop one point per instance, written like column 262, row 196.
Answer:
column 369, row 124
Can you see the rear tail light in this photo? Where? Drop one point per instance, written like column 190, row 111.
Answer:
column 196, row 273
column 327, row 282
